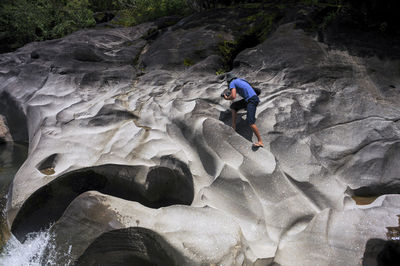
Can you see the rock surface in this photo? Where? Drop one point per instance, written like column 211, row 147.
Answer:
column 5, row 135
column 136, row 115
column 188, row 235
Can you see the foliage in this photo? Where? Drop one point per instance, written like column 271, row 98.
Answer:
column 133, row 12
column 254, row 29
column 188, row 62
column 23, row 21
column 74, row 16
column 261, row 26
column 208, row 4
column 104, row 5
column 220, row 72
column 228, row 50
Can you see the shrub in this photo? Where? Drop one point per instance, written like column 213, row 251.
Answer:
column 23, row 21
column 188, row 62
column 133, row 12
column 73, row 16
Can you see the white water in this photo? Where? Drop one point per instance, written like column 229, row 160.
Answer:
column 37, row 250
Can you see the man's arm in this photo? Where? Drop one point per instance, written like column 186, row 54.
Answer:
column 232, row 96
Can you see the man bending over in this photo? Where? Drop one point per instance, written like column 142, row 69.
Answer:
column 249, row 102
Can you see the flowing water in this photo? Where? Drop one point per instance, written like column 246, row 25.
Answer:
column 33, row 252
column 37, row 249
column 12, row 156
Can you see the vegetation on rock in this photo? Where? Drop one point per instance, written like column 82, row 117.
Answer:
column 255, row 25
column 24, row 21
column 133, row 12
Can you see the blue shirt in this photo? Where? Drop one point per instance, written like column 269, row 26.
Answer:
column 243, row 88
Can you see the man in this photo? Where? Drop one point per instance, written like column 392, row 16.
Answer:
column 249, row 102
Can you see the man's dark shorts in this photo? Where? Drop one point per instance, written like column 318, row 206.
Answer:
column 251, row 107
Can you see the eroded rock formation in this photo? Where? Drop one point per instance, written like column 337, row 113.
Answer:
column 129, row 137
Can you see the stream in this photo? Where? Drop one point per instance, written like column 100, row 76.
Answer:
column 14, row 253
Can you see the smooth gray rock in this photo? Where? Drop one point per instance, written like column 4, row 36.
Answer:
column 115, row 103
column 130, row 246
column 338, row 237
column 186, row 235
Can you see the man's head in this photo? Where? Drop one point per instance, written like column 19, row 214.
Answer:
column 229, row 77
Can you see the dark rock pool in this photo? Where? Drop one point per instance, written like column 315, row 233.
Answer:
column 12, row 155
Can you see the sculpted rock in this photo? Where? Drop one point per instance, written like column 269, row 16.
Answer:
column 128, row 132
column 169, row 183
column 61, row 98
column 134, row 245
column 186, row 235
column 312, row 114
column 330, row 231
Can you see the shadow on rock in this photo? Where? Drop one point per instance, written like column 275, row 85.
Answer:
column 242, row 128
column 379, row 252
column 15, row 118
column 130, row 246
column 375, row 190
column 166, row 184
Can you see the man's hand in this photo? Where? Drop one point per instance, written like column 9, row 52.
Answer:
column 232, row 96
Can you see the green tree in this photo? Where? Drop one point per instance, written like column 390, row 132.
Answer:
column 138, row 11
column 74, row 15
column 23, row 21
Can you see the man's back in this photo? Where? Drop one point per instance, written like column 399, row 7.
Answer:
column 243, row 88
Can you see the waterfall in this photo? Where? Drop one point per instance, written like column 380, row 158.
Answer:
column 38, row 249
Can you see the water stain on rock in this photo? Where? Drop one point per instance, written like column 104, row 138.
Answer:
column 48, row 171
column 47, row 165
column 364, row 200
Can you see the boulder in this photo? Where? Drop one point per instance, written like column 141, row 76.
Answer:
column 183, row 235
column 133, row 245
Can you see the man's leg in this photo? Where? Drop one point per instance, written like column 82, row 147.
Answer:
column 234, row 115
column 251, row 119
column 255, row 130
column 235, row 107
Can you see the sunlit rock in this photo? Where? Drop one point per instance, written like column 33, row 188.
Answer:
column 128, row 136
column 186, row 235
